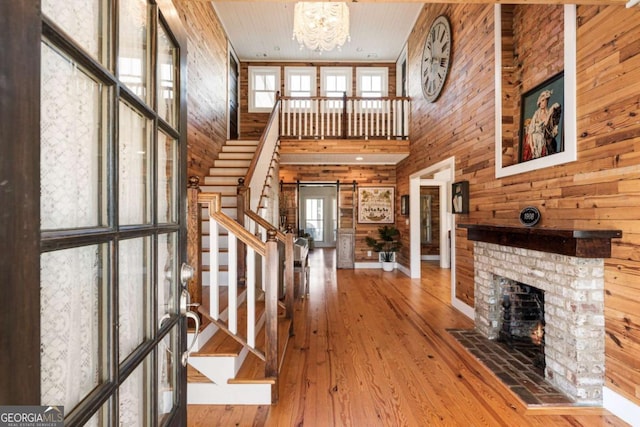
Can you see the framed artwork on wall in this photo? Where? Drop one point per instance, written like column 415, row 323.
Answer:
column 507, row 160
column 460, row 197
column 404, row 204
column 541, row 121
column 376, row 205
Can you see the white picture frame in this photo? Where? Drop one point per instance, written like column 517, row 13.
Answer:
column 570, row 123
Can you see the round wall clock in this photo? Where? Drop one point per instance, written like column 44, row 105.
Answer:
column 436, row 58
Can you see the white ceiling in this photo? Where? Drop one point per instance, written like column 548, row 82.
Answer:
column 262, row 31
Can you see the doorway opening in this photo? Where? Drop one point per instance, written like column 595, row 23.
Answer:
column 318, row 213
column 440, row 175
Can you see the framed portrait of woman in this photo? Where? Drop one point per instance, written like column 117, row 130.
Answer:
column 520, row 146
column 541, row 120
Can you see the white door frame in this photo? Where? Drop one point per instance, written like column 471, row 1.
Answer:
column 442, row 175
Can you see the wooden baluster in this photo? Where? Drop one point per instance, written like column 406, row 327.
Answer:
column 367, row 114
column 344, row 115
column 405, row 129
column 233, row 282
column 194, row 235
column 385, row 118
column 251, row 297
column 349, row 111
column 316, row 130
column 271, row 307
column 242, row 204
column 214, row 267
column 288, row 108
column 332, row 116
column 305, row 114
column 395, row 118
column 322, row 111
column 359, row 118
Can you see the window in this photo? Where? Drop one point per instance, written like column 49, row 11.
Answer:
column 372, row 82
column 300, row 82
column 334, row 82
column 264, row 83
column 315, row 219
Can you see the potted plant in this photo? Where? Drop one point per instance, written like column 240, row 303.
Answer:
column 386, row 245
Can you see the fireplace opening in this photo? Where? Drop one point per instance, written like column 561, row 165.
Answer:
column 522, row 320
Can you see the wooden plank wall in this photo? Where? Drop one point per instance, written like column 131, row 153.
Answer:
column 363, row 175
column 252, row 124
column 601, row 190
column 207, row 84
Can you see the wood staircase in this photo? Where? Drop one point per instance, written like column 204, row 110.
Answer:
column 231, row 165
column 224, row 368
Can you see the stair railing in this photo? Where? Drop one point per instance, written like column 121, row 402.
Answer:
column 346, row 117
column 254, row 246
column 258, row 171
column 288, row 275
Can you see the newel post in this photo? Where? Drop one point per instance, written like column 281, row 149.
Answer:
column 242, row 206
column 271, row 308
column 194, row 231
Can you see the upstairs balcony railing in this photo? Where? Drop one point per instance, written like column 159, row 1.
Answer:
column 346, row 117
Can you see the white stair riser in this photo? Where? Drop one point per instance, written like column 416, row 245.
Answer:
column 228, row 394
column 225, row 190
column 219, row 369
column 221, row 180
column 232, row 163
column 228, row 171
column 236, row 156
column 239, row 149
column 232, row 142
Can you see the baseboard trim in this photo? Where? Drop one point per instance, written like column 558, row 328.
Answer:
column 621, row 407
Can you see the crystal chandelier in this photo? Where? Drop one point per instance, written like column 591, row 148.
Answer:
column 322, row 25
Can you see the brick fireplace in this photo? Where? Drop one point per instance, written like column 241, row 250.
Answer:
column 573, row 285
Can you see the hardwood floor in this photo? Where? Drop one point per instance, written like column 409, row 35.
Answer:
column 371, row 349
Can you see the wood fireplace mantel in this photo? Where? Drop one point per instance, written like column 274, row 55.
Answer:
column 571, row 242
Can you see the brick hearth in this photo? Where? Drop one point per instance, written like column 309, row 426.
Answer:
column 574, row 311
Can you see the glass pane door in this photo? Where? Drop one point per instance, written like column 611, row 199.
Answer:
column 314, row 221
column 318, row 213
column 112, row 184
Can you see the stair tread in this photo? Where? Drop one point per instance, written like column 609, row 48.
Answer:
column 221, row 343
column 195, row 376
column 252, row 144
column 253, row 368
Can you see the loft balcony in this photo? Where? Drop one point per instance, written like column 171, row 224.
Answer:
column 318, row 130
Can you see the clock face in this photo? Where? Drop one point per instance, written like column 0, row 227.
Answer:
column 436, row 58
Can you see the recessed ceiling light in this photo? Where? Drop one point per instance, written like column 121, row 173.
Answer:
column 359, row 158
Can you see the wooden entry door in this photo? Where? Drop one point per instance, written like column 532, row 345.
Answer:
column 95, row 235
